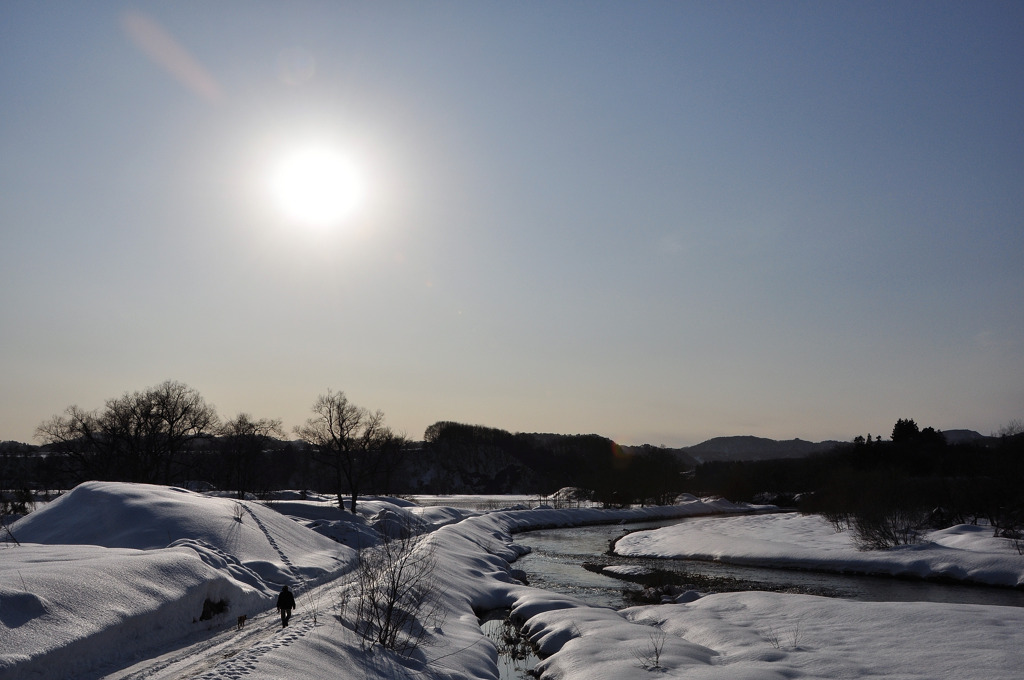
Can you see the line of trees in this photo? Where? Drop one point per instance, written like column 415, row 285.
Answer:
column 889, row 492
column 137, row 437
column 457, row 458
column 169, row 434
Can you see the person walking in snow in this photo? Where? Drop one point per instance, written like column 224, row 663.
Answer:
column 285, row 605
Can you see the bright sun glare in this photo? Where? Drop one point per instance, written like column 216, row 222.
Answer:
column 315, row 187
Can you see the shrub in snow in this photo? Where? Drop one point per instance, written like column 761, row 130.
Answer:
column 650, row 656
column 394, row 599
column 881, row 528
column 883, row 509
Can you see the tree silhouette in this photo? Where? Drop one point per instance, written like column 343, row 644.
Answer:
column 242, row 443
column 137, row 437
column 350, row 440
column 905, row 430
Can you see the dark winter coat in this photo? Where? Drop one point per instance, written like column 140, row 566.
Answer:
column 285, row 600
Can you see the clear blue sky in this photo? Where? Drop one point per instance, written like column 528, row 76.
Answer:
column 657, row 221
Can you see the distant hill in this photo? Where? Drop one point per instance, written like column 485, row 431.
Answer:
column 958, row 436
column 760, row 448
column 754, row 448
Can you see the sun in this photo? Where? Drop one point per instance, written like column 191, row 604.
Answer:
column 315, row 186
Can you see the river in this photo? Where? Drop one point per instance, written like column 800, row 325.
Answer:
column 557, row 556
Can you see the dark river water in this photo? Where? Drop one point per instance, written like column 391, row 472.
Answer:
column 557, row 556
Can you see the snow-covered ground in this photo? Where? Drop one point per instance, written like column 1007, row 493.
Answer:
column 109, row 582
column 963, row 553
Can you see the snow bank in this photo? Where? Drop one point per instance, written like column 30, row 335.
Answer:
column 963, row 553
column 147, row 517
column 687, row 506
column 631, row 570
column 109, row 568
column 739, row 635
column 64, row 608
column 374, row 517
column 772, row 635
column 742, row 635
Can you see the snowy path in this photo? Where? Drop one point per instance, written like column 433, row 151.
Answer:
column 230, row 653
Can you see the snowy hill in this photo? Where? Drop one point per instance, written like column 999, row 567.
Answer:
column 257, row 541
column 109, row 563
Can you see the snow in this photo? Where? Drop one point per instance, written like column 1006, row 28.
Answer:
column 761, row 635
column 964, row 553
column 60, row 606
column 247, row 538
column 109, row 582
column 627, row 570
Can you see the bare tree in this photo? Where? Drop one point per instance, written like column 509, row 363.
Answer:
column 1012, row 428
column 243, row 441
column 137, row 437
column 349, row 439
column 180, row 414
column 391, row 456
column 75, row 437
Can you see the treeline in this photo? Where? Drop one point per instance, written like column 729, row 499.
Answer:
column 888, row 492
column 169, row 434
column 166, row 434
column 460, row 458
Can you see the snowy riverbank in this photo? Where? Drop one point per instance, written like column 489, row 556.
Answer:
column 965, row 553
column 118, row 592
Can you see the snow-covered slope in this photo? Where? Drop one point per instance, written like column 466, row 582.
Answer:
column 108, row 563
column 147, row 517
column 65, row 609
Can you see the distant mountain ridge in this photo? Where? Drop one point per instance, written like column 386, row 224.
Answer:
column 746, row 447
column 958, row 436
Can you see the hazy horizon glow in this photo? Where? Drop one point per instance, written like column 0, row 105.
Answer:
column 658, row 222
